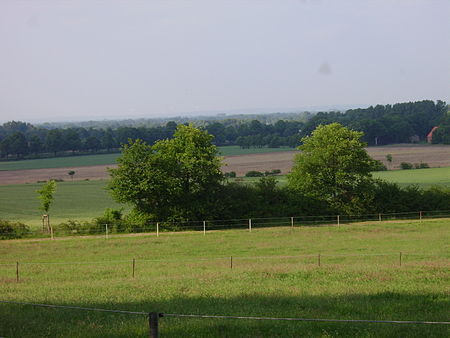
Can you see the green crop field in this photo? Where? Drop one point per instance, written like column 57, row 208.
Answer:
column 422, row 177
column 80, row 200
column 105, row 159
column 275, row 273
column 60, row 162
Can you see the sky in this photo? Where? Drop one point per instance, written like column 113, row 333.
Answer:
column 94, row 60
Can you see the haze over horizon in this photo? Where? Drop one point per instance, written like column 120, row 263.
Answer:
column 85, row 60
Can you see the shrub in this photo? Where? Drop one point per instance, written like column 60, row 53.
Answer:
column 12, row 230
column 378, row 166
column 231, row 174
column 421, row 165
column 406, row 165
column 254, row 173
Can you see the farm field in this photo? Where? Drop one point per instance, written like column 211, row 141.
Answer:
column 434, row 155
column 84, row 200
column 275, row 273
column 80, row 200
column 109, row 159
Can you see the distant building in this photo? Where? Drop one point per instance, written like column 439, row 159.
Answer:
column 430, row 134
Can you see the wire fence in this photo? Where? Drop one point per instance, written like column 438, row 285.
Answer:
column 246, row 263
column 249, row 224
column 154, row 317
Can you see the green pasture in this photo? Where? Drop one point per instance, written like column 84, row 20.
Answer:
column 275, row 273
column 60, row 162
column 80, row 200
column 422, row 177
column 105, row 159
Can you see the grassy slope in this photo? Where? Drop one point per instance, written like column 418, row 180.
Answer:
column 81, row 200
column 353, row 287
column 104, row 159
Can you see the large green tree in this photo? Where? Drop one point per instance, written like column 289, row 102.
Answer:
column 176, row 178
column 334, row 166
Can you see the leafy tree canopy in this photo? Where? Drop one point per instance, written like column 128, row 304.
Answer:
column 46, row 195
column 334, row 166
column 176, row 178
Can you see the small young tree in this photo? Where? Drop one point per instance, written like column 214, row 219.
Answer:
column 46, row 197
column 71, row 173
column 389, row 159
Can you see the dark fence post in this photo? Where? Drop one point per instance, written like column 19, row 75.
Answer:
column 134, row 263
column 153, row 324
column 17, row 271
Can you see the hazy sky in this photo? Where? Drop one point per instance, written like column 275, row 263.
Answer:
column 72, row 60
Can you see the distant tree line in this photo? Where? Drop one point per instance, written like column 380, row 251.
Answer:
column 381, row 125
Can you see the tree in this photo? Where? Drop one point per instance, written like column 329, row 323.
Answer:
column 389, row 159
column 334, row 166
column 54, row 141
column 46, row 197
column 177, row 178
column 71, row 173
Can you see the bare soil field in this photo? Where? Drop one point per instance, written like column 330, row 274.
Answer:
column 435, row 156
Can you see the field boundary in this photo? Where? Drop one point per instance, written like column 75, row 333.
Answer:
column 250, row 224
column 153, row 317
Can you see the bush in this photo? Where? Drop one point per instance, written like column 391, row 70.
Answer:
column 254, row 173
column 421, row 165
column 406, row 165
column 378, row 166
column 231, row 174
column 12, row 230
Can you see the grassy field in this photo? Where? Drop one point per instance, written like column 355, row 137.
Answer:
column 80, row 200
column 189, row 273
column 422, row 177
column 83, row 200
column 104, row 159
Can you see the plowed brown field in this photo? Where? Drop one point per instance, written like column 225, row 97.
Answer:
column 435, row 156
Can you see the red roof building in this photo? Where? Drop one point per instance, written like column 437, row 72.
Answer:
column 430, row 134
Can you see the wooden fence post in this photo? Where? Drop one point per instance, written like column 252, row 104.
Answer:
column 157, row 229
column 250, row 225
column 338, row 220
column 400, row 258
column 379, row 217
column 420, row 215
column 318, row 259
column 134, row 264
column 106, row 231
column 153, row 324
column 231, row 262
column 292, row 222
column 204, row 228
column 17, row 271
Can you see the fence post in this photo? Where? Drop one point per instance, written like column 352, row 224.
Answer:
column 400, row 258
column 379, row 217
column 338, row 220
column 153, row 324
column 231, row 262
column 106, row 231
column 157, row 229
column 17, row 271
column 250, row 225
column 292, row 222
column 318, row 259
column 420, row 215
column 134, row 264
column 204, row 228
column 51, row 232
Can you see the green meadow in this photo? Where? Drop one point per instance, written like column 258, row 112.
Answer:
column 84, row 200
column 422, row 177
column 275, row 273
column 80, row 200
